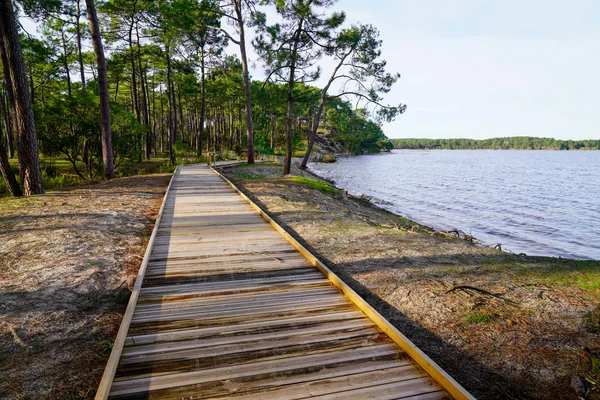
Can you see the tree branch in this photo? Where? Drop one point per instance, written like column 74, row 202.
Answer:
column 216, row 28
column 362, row 96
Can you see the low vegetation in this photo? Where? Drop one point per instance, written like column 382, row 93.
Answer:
column 480, row 317
column 315, row 184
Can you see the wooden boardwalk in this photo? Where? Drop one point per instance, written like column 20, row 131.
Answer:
column 226, row 307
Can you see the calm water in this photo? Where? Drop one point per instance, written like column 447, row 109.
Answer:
column 533, row 202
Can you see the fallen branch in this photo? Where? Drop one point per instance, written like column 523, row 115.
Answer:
column 466, row 289
column 16, row 337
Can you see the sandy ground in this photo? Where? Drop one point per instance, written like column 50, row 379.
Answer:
column 67, row 262
column 505, row 326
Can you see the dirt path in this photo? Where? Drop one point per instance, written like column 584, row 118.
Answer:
column 505, row 326
column 67, row 261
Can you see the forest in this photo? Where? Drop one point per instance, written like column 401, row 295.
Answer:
column 105, row 89
column 503, row 143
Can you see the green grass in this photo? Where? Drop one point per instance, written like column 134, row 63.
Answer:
column 244, row 175
column 480, row 317
column 581, row 274
column 264, row 164
column 315, row 184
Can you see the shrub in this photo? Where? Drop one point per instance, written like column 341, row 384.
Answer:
column 480, row 317
column 315, row 184
column 328, row 158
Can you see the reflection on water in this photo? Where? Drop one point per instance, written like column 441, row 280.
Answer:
column 533, row 202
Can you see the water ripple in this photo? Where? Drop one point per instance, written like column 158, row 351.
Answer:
column 535, row 202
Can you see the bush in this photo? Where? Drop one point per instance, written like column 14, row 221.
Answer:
column 60, row 181
column 328, row 158
column 50, row 170
column 166, row 167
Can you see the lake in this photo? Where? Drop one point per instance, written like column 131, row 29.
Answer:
column 535, row 202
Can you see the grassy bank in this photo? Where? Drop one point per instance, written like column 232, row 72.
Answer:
column 505, row 326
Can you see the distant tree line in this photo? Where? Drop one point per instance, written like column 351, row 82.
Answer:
column 503, row 143
column 137, row 77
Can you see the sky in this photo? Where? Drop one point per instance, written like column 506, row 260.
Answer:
column 480, row 69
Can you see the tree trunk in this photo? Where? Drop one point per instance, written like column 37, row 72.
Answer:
column 10, row 97
column 312, row 134
column 202, row 103
column 14, row 69
column 273, row 127
column 7, row 173
column 154, row 135
column 246, row 79
column 181, row 124
column 79, row 52
column 31, row 86
column 287, row 163
column 231, row 131
column 107, row 153
column 172, row 114
column 136, row 105
column 145, row 112
column 65, row 64
column 8, row 127
column 317, row 120
column 162, row 121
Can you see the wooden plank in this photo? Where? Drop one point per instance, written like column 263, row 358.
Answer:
column 288, row 343
column 239, row 298
column 240, row 248
column 212, row 230
column 252, row 244
column 249, row 254
column 222, row 321
column 421, row 388
column 308, row 275
column 344, row 379
column 441, row 376
column 240, row 303
column 267, row 386
column 287, row 321
column 324, row 327
column 224, row 312
column 186, row 268
column 147, row 384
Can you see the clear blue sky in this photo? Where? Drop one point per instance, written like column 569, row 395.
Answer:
column 479, row 68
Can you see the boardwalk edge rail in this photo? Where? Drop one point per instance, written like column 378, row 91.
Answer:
column 115, row 355
column 449, row 384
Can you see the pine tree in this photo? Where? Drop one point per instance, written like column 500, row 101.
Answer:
column 15, row 75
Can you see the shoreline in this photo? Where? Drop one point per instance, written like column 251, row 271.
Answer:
column 518, row 239
column 478, row 312
column 457, row 233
